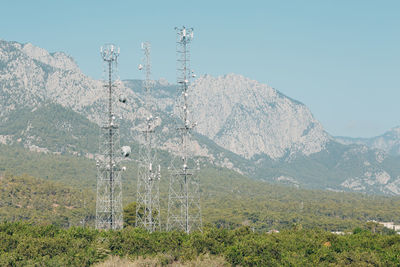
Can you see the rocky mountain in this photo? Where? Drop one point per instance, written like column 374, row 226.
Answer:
column 388, row 142
column 30, row 76
column 250, row 118
column 338, row 168
column 49, row 105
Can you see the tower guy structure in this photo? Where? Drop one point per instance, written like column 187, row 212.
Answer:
column 109, row 185
column 148, row 193
column 184, row 211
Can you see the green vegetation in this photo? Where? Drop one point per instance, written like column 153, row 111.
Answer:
column 232, row 200
column 53, row 127
column 229, row 200
column 74, row 171
column 238, row 212
column 27, row 244
column 44, row 202
column 130, row 214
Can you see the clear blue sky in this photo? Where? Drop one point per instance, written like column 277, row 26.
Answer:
column 339, row 57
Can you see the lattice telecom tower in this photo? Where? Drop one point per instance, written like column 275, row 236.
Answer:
column 109, row 186
column 184, row 212
column 148, row 193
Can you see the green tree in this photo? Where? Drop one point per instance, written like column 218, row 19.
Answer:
column 130, row 214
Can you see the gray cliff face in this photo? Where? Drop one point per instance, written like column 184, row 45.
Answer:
column 56, row 60
column 251, row 118
column 30, row 75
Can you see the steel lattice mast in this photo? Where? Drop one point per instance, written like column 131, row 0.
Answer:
column 148, row 200
column 184, row 212
column 109, row 186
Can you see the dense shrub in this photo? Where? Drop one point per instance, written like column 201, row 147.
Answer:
column 22, row 243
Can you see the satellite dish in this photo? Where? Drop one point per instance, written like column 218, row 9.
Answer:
column 125, row 151
column 122, row 99
column 140, row 67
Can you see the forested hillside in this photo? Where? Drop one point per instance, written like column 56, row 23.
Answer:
column 229, row 199
column 44, row 202
column 51, row 127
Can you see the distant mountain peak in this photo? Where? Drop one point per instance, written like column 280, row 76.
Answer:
column 388, row 142
column 58, row 60
column 395, row 130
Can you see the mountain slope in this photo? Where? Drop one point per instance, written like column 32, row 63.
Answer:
column 48, row 104
column 388, row 142
column 31, row 79
column 331, row 165
column 250, row 118
column 228, row 198
column 338, row 168
column 28, row 198
column 49, row 127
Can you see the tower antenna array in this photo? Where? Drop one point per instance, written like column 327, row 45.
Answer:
column 184, row 212
column 148, row 200
column 109, row 186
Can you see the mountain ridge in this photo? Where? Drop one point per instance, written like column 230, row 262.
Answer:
column 258, row 106
column 241, row 124
column 388, row 141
